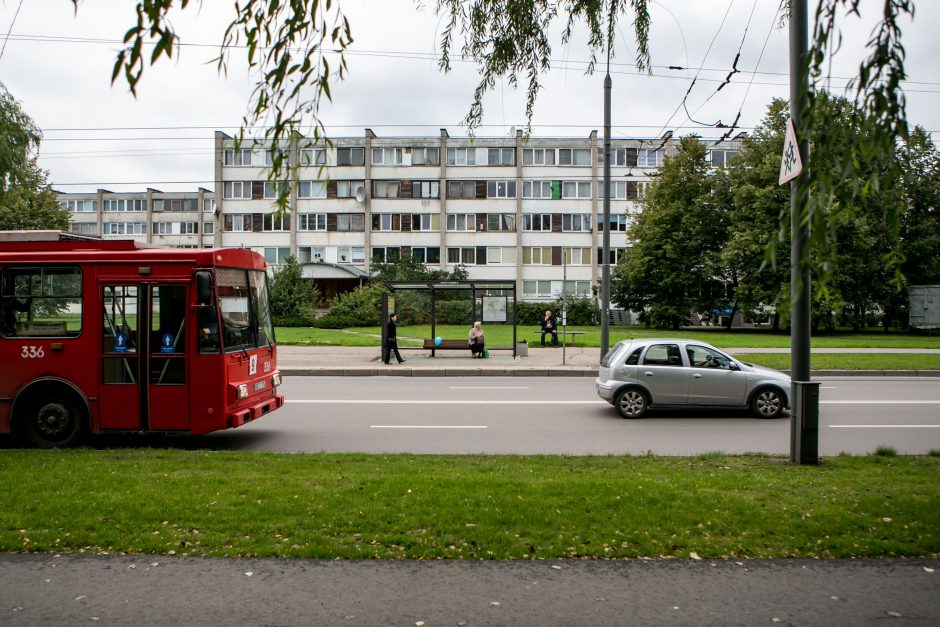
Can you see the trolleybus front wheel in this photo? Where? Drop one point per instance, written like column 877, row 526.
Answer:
column 51, row 422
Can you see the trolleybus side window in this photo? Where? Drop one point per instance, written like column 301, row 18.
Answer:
column 119, row 333
column 259, row 295
column 41, row 302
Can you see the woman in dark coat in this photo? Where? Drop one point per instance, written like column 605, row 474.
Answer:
column 391, row 341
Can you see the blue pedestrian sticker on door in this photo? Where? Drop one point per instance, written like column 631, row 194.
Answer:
column 120, row 343
column 166, row 344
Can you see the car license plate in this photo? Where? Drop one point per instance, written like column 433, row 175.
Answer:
column 260, row 385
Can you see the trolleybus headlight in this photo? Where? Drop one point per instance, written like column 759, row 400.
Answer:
column 276, row 379
column 242, row 391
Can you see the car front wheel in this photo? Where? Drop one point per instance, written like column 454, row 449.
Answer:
column 767, row 403
column 631, row 403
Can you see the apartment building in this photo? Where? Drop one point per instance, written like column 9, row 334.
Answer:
column 181, row 219
column 517, row 208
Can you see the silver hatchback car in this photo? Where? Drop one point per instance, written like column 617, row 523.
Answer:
column 636, row 375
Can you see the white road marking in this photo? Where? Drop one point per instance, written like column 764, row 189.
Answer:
column 828, row 387
column 351, row 401
column 427, row 426
column 879, row 402
column 884, row 426
column 489, row 387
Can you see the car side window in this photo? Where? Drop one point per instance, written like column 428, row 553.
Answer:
column 663, row 355
column 634, row 357
column 701, row 357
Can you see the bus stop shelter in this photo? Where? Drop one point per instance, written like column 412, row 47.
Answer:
column 489, row 302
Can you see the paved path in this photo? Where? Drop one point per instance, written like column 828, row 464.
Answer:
column 161, row 590
column 570, row 362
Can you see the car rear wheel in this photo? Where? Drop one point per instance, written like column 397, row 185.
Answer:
column 767, row 403
column 631, row 403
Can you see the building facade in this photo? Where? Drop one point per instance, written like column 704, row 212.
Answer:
column 517, row 208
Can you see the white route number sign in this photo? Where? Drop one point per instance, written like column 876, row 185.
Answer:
column 790, row 165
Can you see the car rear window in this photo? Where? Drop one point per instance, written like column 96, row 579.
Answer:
column 605, row 362
column 634, row 357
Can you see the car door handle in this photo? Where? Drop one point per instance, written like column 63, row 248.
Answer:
column 648, row 373
column 696, row 376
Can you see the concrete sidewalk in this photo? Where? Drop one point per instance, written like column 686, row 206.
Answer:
column 573, row 361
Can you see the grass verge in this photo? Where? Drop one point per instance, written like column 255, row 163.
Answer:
column 826, row 361
column 466, row 507
column 501, row 335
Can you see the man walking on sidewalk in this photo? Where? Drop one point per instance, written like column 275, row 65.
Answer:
column 391, row 341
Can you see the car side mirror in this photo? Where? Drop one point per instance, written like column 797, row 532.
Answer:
column 733, row 366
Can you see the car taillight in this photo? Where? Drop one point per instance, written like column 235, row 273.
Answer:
column 276, row 379
column 242, row 391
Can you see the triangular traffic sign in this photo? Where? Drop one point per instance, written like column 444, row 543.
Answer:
column 790, row 164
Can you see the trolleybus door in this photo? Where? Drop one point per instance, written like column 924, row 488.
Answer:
column 143, row 358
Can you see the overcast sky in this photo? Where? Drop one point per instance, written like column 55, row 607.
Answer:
column 58, row 65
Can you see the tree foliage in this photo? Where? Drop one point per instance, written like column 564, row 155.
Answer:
column 26, row 200
column 293, row 298
column 673, row 268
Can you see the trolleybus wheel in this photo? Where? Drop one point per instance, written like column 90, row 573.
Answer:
column 52, row 422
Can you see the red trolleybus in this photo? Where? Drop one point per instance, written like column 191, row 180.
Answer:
column 107, row 336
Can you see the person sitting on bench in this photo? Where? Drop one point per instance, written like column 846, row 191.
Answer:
column 549, row 326
column 476, row 340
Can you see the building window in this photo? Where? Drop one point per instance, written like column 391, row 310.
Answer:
column 425, row 222
column 429, row 254
column 425, row 156
column 208, row 228
column 348, row 189
column 78, row 206
column 311, row 189
column 574, row 156
column 577, row 256
column 311, row 222
column 537, row 189
column 350, row 156
column 276, row 256
column 619, row 222
column 386, row 222
column 240, row 157
column 466, row 256
column 576, row 189
column 208, row 205
column 278, row 190
column 236, row 190
column 501, row 156
column 358, row 254
column 575, row 222
column 500, row 222
column 387, row 156
column 649, row 158
column 461, row 222
column 537, row 288
column 84, row 228
column 308, row 254
column 425, row 189
column 124, row 228
column 577, row 288
column 500, row 189
column 616, row 254
column 721, row 158
column 237, row 222
column 276, row 222
column 312, row 156
column 386, row 254
column 618, row 190
column 386, row 189
column 538, row 156
column 501, row 256
column 350, row 222
column 536, row 256
column 461, row 189
column 537, row 222
column 461, row 156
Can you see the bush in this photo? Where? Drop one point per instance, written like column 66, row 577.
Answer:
column 360, row 308
column 293, row 297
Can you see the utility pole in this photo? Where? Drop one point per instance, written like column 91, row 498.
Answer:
column 605, row 262
column 804, row 395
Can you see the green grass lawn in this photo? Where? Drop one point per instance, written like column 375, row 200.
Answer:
column 849, row 362
column 501, row 335
column 143, row 501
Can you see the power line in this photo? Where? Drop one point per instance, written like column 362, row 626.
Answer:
column 9, row 32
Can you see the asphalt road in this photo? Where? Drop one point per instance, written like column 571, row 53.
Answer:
column 159, row 590
column 557, row 415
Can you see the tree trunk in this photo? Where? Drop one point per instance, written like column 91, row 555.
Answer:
column 734, row 309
